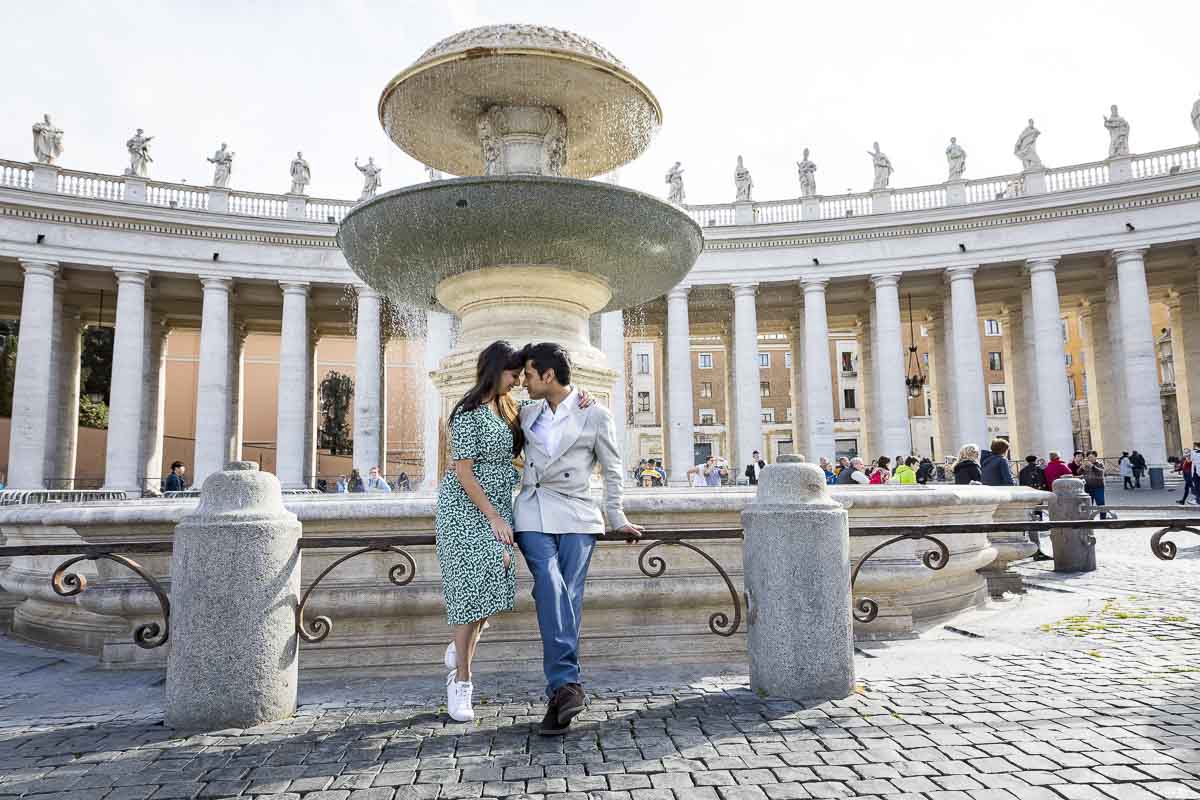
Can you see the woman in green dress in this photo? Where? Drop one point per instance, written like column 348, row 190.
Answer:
column 474, row 514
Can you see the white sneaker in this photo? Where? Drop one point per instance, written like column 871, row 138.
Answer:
column 458, row 699
column 450, row 659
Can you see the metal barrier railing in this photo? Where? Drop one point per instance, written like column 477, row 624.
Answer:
column 151, row 635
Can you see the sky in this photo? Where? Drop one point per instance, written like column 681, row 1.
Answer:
column 763, row 80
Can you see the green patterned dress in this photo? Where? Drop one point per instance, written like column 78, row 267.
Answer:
column 474, row 580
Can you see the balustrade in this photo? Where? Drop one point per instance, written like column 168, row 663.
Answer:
column 1080, row 176
column 88, row 184
column 1167, row 162
column 16, row 174
column 20, row 175
column 177, row 196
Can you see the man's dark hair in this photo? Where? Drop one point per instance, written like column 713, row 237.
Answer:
column 1030, row 459
column 999, row 446
column 176, row 465
column 549, row 356
column 1078, row 452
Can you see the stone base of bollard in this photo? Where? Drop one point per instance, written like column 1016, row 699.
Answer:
column 796, row 555
column 234, row 592
column 1074, row 550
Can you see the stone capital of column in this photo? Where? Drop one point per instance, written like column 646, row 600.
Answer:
column 34, row 267
column 885, row 279
column 1129, row 254
column 216, row 283
column 295, row 287
column 744, row 289
column 679, row 292
column 961, row 273
column 813, row 283
column 366, row 293
column 132, row 276
column 1044, row 264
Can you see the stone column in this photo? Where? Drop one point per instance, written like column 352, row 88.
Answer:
column 970, row 405
column 818, row 374
column 1143, row 406
column 681, row 415
column 212, row 382
column 1116, row 344
column 368, row 401
column 1185, row 353
column 747, row 373
column 1102, row 375
column 154, row 397
column 867, row 438
column 940, row 407
column 1036, row 441
column 612, row 344
column 1054, row 402
column 439, row 336
column 54, row 479
column 123, row 462
column 796, row 553
column 294, row 386
column 32, row 379
column 237, row 389
column 235, row 583
column 801, row 430
column 1015, row 385
column 69, row 353
column 889, row 363
column 312, row 409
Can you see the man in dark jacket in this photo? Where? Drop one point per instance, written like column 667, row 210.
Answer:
column 994, row 465
column 754, row 467
column 174, row 481
column 925, row 471
column 1032, row 475
column 1138, row 462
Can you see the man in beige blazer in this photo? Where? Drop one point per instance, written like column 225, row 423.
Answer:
column 555, row 519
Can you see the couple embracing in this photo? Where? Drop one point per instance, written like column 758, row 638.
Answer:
column 563, row 434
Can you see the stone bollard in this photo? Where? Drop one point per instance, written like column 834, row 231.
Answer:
column 235, row 586
column 796, row 556
column 1074, row 550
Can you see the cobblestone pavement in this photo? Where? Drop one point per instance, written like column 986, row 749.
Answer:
column 1086, row 687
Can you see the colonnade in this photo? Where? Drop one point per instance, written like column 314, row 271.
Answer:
column 44, row 429
column 1122, row 377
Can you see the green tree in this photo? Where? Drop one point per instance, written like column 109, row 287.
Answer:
column 95, row 377
column 8, row 364
column 337, row 393
column 93, row 414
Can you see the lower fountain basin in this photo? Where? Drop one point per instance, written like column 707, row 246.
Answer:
column 405, row 242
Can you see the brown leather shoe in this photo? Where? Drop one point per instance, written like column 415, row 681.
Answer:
column 550, row 724
column 570, row 701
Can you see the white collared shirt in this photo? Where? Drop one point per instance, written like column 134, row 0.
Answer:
column 547, row 429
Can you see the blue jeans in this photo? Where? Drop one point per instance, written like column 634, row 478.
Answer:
column 1097, row 495
column 559, row 564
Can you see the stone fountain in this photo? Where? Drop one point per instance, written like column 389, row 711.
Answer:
column 528, row 248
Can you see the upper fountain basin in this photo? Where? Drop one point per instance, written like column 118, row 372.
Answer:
column 431, row 109
column 405, row 242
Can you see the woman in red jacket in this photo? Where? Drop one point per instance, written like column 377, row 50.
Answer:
column 1055, row 469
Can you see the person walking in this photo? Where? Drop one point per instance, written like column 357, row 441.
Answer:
column 994, row 467
column 1138, row 461
column 1055, row 469
column 1185, row 467
column 881, row 473
column 905, row 474
column 556, row 520
column 174, row 482
column 1125, row 468
column 1093, row 480
column 966, row 470
column 1032, row 475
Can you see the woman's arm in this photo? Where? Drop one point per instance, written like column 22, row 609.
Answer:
column 464, row 469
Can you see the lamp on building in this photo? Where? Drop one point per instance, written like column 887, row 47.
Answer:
column 915, row 380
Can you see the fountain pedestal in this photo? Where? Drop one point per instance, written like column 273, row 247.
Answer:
column 524, row 304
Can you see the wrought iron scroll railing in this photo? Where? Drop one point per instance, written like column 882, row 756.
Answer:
column 650, row 561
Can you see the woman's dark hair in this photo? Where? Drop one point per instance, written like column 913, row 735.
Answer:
column 883, row 462
column 495, row 359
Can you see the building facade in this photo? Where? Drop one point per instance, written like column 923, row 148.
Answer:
column 1037, row 304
